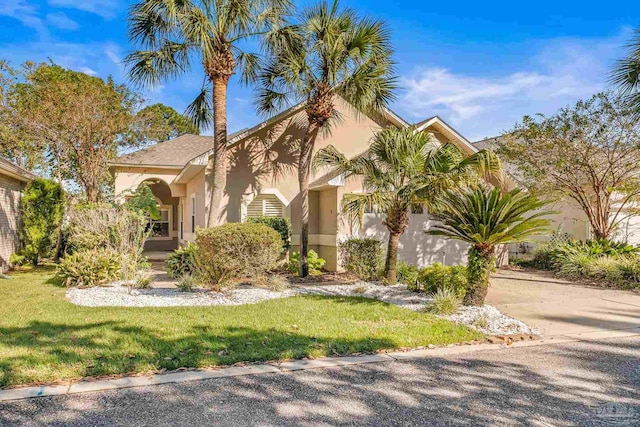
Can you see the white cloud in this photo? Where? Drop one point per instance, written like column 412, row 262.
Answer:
column 104, row 8
column 481, row 106
column 23, row 12
column 62, row 21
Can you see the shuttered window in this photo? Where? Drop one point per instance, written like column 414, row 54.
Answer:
column 267, row 205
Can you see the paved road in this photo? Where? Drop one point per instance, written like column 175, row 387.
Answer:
column 558, row 307
column 583, row 383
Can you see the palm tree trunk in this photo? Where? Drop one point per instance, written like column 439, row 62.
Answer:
column 304, row 169
column 216, row 171
column 391, row 262
column 479, row 268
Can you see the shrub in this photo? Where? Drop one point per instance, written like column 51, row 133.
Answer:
column 18, row 260
column 235, row 250
column 315, row 263
column 434, row 277
column 186, row 283
column 281, row 225
column 445, row 301
column 142, row 282
column 629, row 267
column 361, row 256
column 408, row 275
column 181, row 261
column 90, row 268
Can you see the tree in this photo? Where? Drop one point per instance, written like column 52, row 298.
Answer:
column 42, row 209
column 626, row 75
column 589, row 152
column 330, row 52
column 159, row 122
column 403, row 168
column 173, row 34
column 485, row 218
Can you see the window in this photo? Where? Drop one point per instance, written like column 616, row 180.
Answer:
column 161, row 226
column 265, row 205
column 181, row 213
column 193, row 214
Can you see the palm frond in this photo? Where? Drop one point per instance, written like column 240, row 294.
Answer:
column 200, row 111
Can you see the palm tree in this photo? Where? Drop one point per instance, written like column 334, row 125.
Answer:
column 402, row 168
column 329, row 52
column 626, row 74
column 174, row 34
column 485, row 218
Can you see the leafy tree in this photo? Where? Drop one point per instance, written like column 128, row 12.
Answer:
column 330, row 52
column 42, row 209
column 485, row 218
column 142, row 200
column 626, row 75
column 589, row 152
column 403, row 168
column 174, row 34
column 159, row 122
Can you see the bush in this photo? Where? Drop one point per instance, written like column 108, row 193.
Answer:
column 235, row 250
column 142, row 282
column 90, row 268
column 18, row 260
column 408, row 275
column 186, row 283
column 361, row 256
column 434, row 277
column 181, row 261
column 281, row 225
column 445, row 301
column 315, row 263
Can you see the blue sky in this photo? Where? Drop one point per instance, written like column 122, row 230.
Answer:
column 481, row 66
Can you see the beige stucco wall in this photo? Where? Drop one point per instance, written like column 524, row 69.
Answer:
column 10, row 192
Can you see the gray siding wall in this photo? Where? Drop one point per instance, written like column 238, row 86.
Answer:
column 10, row 189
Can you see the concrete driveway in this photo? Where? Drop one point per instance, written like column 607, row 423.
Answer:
column 558, row 307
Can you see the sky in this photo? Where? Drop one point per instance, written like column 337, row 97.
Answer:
column 480, row 66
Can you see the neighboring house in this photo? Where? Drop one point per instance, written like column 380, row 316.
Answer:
column 262, row 180
column 12, row 182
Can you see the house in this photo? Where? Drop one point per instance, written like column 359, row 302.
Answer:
column 262, row 180
column 12, row 182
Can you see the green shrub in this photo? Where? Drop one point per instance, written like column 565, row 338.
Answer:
column 90, row 268
column 315, row 263
column 445, row 301
column 629, row 267
column 186, row 283
column 435, row 276
column 142, row 282
column 18, row 260
column 408, row 274
column 281, row 225
column 181, row 261
column 235, row 250
column 362, row 257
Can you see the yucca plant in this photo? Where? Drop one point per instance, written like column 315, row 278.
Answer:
column 174, row 35
column 402, row 168
column 485, row 218
column 330, row 52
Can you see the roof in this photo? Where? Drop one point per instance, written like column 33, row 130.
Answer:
column 15, row 171
column 172, row 153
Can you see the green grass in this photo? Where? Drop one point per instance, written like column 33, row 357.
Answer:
column 44, row 338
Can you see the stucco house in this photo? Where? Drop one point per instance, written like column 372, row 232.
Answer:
column 12, row 182
column 262, row 180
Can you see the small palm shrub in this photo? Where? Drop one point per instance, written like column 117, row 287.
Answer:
column 281, row 225
column 445, row 301
column 181, row 261
column 362, row 257
column 408, row 275
column 186, row 283
column 143, row 281
column 434, row 277
column 235, row 250
column 93, row 267
column 315, row 263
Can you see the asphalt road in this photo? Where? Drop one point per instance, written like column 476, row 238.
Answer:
column 593, row 383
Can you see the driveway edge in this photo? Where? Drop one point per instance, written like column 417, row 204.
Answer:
column 295, row 365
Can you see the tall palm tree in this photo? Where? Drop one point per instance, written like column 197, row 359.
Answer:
column 402, row 168
column 626, row 74
column 485, row 218
column 174, row 34
column 329, row 52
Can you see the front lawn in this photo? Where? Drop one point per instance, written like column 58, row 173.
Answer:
column 44, row 338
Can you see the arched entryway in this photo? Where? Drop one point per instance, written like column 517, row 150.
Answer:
column 165, row 229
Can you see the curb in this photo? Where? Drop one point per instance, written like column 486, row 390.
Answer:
column 295, row 365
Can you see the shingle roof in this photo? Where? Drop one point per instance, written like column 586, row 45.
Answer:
column 174, row 152
column 8, row 168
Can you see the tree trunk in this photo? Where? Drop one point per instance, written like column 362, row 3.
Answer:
column 216, row 171
column 304, row 169
column 56, row 256
column 391, row 262
column 479, row 267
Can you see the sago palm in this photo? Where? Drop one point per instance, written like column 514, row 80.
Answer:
column 404, row 167
column 329, row 52
column 626, row 74
column 485, row 218
column 174, row 35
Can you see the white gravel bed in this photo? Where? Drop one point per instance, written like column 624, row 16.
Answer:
column 486, row 319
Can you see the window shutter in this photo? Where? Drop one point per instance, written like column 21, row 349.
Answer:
column 267, row 205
